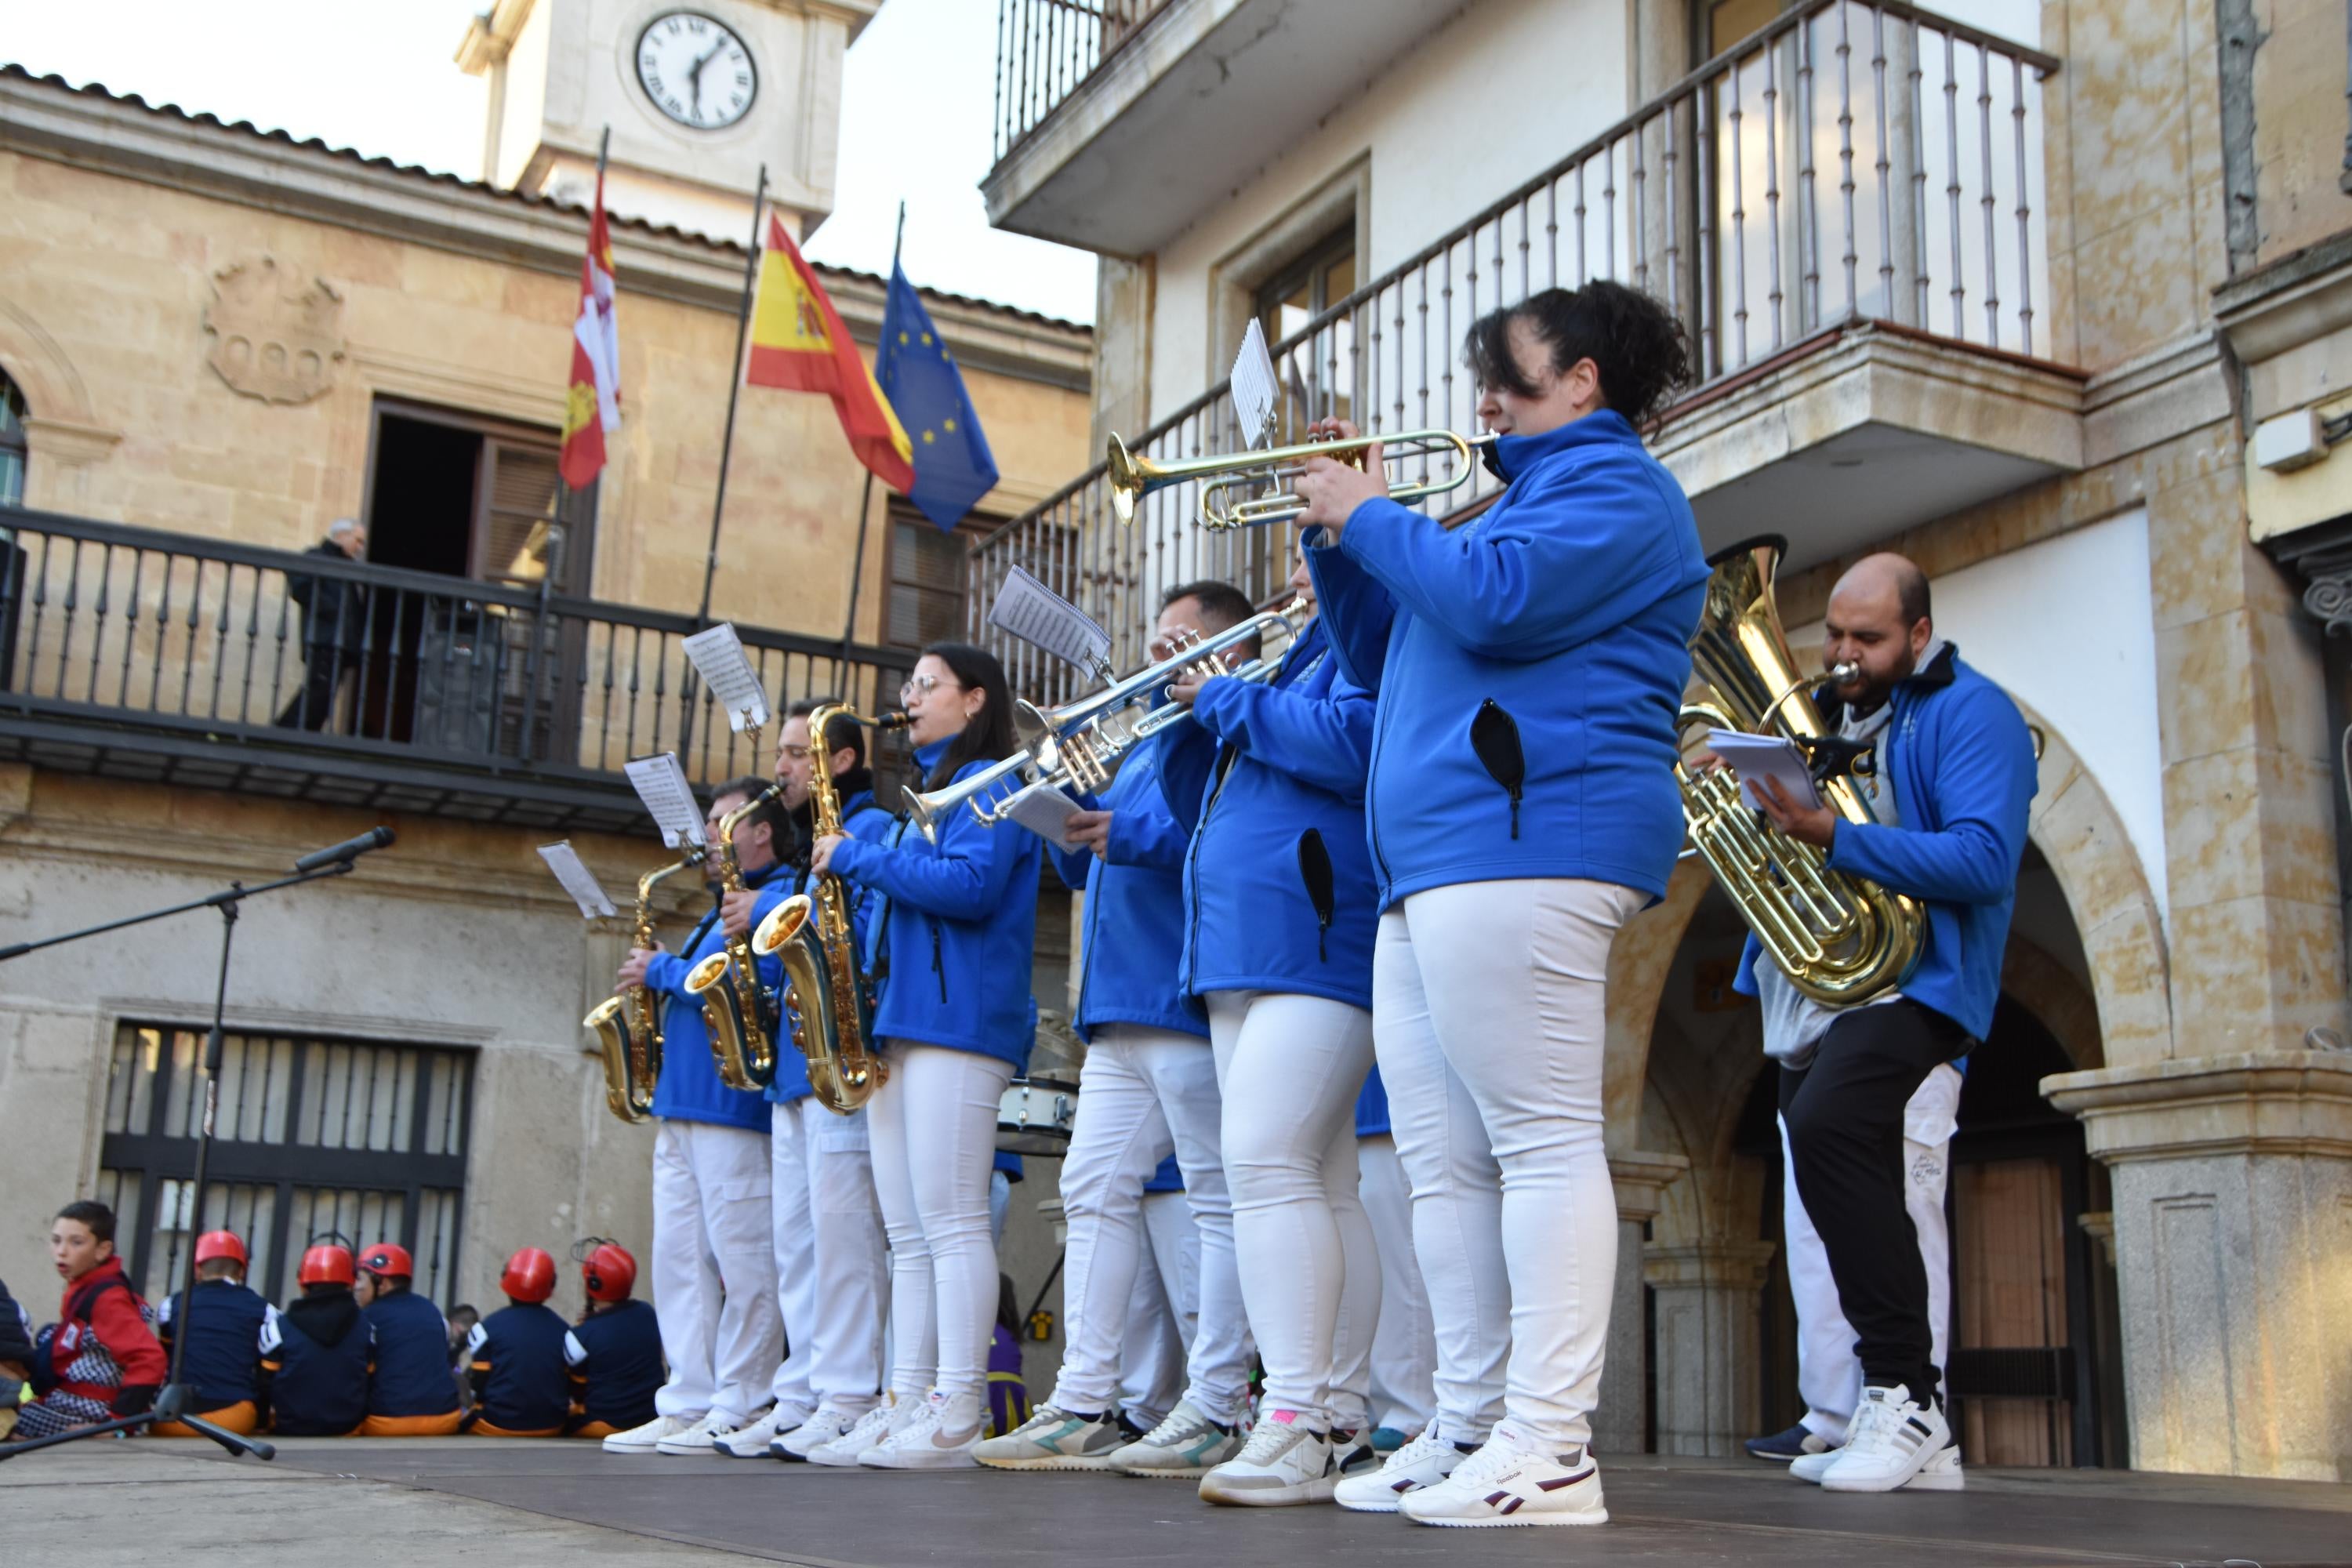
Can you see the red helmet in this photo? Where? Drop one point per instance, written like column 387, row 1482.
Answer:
column 529, row 1276
column 609, row 1272
column 388, row 1260
column 325, row 1264
column 220, row 1244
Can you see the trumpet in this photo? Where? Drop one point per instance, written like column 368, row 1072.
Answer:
column 1222, row 507
column 1077, row 742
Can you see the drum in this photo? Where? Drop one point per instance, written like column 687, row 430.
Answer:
column 1035, row 1115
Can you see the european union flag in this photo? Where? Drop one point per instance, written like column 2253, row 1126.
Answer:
column 953, row 468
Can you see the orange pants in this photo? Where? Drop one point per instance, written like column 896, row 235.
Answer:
column 240, row 1418
column 484, row 1429
column 409, row 1425
column 592, row 1429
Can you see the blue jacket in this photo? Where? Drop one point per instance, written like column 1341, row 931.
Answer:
column 522, row 1373
column 615, row 1358
column 316, row 1354
column 1269, row 781
column 690, row 1090
column 222, row 1361
column 1529, row 666
column 1167, row 1179
column 1134, row 931
column 1964, row 777
column 860, row 819
column 412, row 1357
column 954, row 934
column 1372, row 1107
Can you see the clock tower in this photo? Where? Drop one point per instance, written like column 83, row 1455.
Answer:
column 698, row 94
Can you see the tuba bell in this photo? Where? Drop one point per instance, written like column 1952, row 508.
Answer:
column 1840, row 939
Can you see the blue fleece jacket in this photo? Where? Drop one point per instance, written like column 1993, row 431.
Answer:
column 1962, row 765
column 1134, row 930
column 860, row 819
column 1167, row 1178
column 1269, row 781
column 1529, row 665
column 953, row 936
column 1372, row 1107
column 688, row 1089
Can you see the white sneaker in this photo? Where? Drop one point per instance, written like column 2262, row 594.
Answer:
column 1282, row 1464
column 861, row 1435
column 753, row 1442
column 1053, row 1439
column 939, row 1435
column 702, row 1437
column 1940, row 1474
column 1890, row 1440
column 643, row 1439
column 1186, row 1444
column 1423, row 1462
column 826, row 1426
column 1512, row 1480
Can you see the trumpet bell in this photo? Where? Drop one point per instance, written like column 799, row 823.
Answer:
column 1132, row 478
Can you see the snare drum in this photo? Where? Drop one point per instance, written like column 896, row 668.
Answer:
column 1035, row 1115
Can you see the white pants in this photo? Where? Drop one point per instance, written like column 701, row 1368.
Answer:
column 1828, row 1373
column 714, row 1270
column 1160, row 1313
column 934, row 1130
column 1142, row 1093
column 1289, row 1069
column 831, row 1277
column 1404, row 1346
column 1489, row 1003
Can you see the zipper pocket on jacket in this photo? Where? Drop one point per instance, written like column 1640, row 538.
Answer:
column 937, row 968
column 1315, row 870
column 1495, row 742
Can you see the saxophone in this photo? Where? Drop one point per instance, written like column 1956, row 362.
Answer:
column 733, row 1004
column 628, row 1026
column 810, row 934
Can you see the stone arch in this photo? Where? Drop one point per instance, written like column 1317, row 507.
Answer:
column 63, row 436
column 1639, row 961
column 2050, row 991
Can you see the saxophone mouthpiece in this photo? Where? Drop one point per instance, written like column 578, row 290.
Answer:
column 896, row 718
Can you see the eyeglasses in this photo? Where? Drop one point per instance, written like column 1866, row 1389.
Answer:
column 918, row 685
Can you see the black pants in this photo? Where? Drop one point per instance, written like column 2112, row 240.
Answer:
column 314, row 706
column 1844, row 1115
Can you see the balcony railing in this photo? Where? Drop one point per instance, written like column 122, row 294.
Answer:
column 1852, row 161
column 139, row 653
column 1045, row 48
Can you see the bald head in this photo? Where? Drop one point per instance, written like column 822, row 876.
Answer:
column 1891, row 578
column 1878, row 622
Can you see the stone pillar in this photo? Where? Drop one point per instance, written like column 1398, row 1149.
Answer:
column 1710, row 1348
column 2232, row 1180
column 1620, row 1424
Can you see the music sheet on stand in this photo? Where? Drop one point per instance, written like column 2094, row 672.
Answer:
column 718, row 652
column 577, row 879
column 660, row 781
column 1254, row 386
column 1044, row 619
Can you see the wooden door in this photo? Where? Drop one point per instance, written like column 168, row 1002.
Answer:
column 2009, row 1313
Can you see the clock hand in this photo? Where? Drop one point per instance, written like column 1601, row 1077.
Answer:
column 694, row 76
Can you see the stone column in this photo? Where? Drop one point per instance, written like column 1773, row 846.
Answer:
column 2232, row 1178
column 1620, row 1425
column 1708, row 1344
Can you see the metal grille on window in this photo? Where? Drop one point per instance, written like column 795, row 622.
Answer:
column 363, row 1138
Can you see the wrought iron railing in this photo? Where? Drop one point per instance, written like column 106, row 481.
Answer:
column 1851, row 162
column 174, row 635
column 1045, row 49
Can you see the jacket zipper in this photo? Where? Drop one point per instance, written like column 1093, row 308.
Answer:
column 936, row 968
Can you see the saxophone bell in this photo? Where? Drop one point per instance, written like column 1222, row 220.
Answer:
column 628, row 1026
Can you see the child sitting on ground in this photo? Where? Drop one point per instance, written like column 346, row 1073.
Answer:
column 222, row 1363
column 16, row 1361
column 522, row 1387
column 316, row 1355
column 99, row 1358
column 410, row 1393
column 614, row 1351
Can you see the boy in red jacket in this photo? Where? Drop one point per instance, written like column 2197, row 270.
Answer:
column 99, row 1358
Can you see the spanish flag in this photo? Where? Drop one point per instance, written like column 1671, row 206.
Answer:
column 799, row 343
column 593, row 408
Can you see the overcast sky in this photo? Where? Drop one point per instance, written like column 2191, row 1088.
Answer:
column 380, row 77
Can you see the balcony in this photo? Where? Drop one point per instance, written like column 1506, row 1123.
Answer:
column 136, row 653
column 1845, row 212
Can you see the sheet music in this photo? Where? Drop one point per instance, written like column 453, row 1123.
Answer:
column 1254, row 386
column 1044, row 811
column 577, row 879
column 1044, row 619
column 726, row 668
column 660, row 783
column 1753, row 757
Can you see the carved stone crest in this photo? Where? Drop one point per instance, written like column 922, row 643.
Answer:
column 272, row 339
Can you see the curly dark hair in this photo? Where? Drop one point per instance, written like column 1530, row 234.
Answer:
column 1639, row 348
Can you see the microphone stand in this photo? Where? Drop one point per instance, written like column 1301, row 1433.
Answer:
column 175, row 1404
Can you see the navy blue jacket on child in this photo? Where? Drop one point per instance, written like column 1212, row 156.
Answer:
column 222, row 1361
column 1529, row 666
column 615, row 1357
column 521, row 1370
column 1134, row 924
column 1268, row 779
column 860, row 819
column 316, row 1356
column 412, row 1358
column 690, row 1090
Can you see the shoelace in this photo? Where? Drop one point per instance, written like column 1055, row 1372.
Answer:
column 1267, row 1440
column 1175, row 1427
column 1867, row 1433
column 1427, row 1445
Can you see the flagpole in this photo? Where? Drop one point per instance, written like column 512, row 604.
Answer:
column 865, row 503
column 564, row 494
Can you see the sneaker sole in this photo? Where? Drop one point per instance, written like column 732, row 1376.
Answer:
column 1395, row 1504
column 686, row 1453
column 835, row 1461
column 1045, row 1462
column 1164, row 1473
column 1271, row 1497
column 1925, row 1482
column 1597, row 1516
column 922, row 1462
column 612, row 1448
column 768, row 1452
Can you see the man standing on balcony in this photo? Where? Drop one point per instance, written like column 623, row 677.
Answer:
column 334, row 620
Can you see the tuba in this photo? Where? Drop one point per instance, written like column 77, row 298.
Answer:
column 1840, row 939
column 734, row 1006
column 810, row 934
column 628, row 1027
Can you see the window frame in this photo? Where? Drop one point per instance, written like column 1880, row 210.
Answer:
column 13, row 440
column 575, row 510
column 975, row 526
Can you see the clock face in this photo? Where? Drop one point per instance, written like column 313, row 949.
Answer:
column 695, row 70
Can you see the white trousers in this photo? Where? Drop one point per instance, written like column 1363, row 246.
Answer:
column 1829, row 1374
column 1161, row 1314
column 934, row 1132
column 1142, row 1093
column 714, row 1270
column 1488, row 998
column 1289, row 1069
column 831, row 1277
column 1405, row 1344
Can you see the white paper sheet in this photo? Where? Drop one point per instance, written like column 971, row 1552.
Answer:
column 1753, row 757
column 717, row 653
column 1044, row 811
column 1254, row 386
column 1044, row 619
column 660, row 783
column 577, row 879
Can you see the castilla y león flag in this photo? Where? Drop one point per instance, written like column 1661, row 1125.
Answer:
column 799, row 343
column 592, row 409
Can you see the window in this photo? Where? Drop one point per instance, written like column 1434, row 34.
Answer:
column 928, row 577
column 1309, row 287
column 1315, row 376
column 12, row 444
column 470, row 496
column 311, row 1135
column 1719, row 24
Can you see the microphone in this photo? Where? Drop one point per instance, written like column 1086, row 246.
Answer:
column 349, row 849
